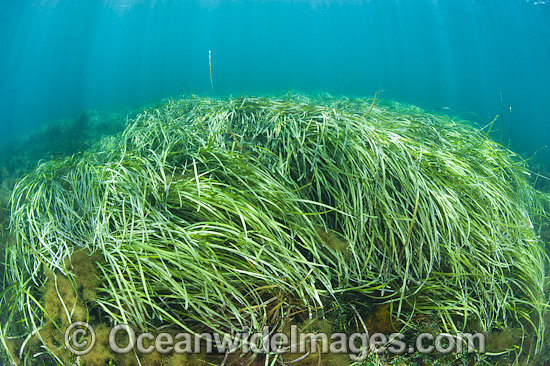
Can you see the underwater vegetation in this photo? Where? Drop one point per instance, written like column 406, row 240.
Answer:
column 214, row 215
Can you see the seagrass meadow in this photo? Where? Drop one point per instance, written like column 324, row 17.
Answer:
column 333, row 214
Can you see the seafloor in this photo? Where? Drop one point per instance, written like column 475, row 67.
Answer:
column 73, row 140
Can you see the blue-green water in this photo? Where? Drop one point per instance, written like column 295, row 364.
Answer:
column 61, row 57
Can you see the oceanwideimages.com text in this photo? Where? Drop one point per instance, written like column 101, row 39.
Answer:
column 80, row 339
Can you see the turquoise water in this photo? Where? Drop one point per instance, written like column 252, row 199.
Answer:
column 61, row 57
